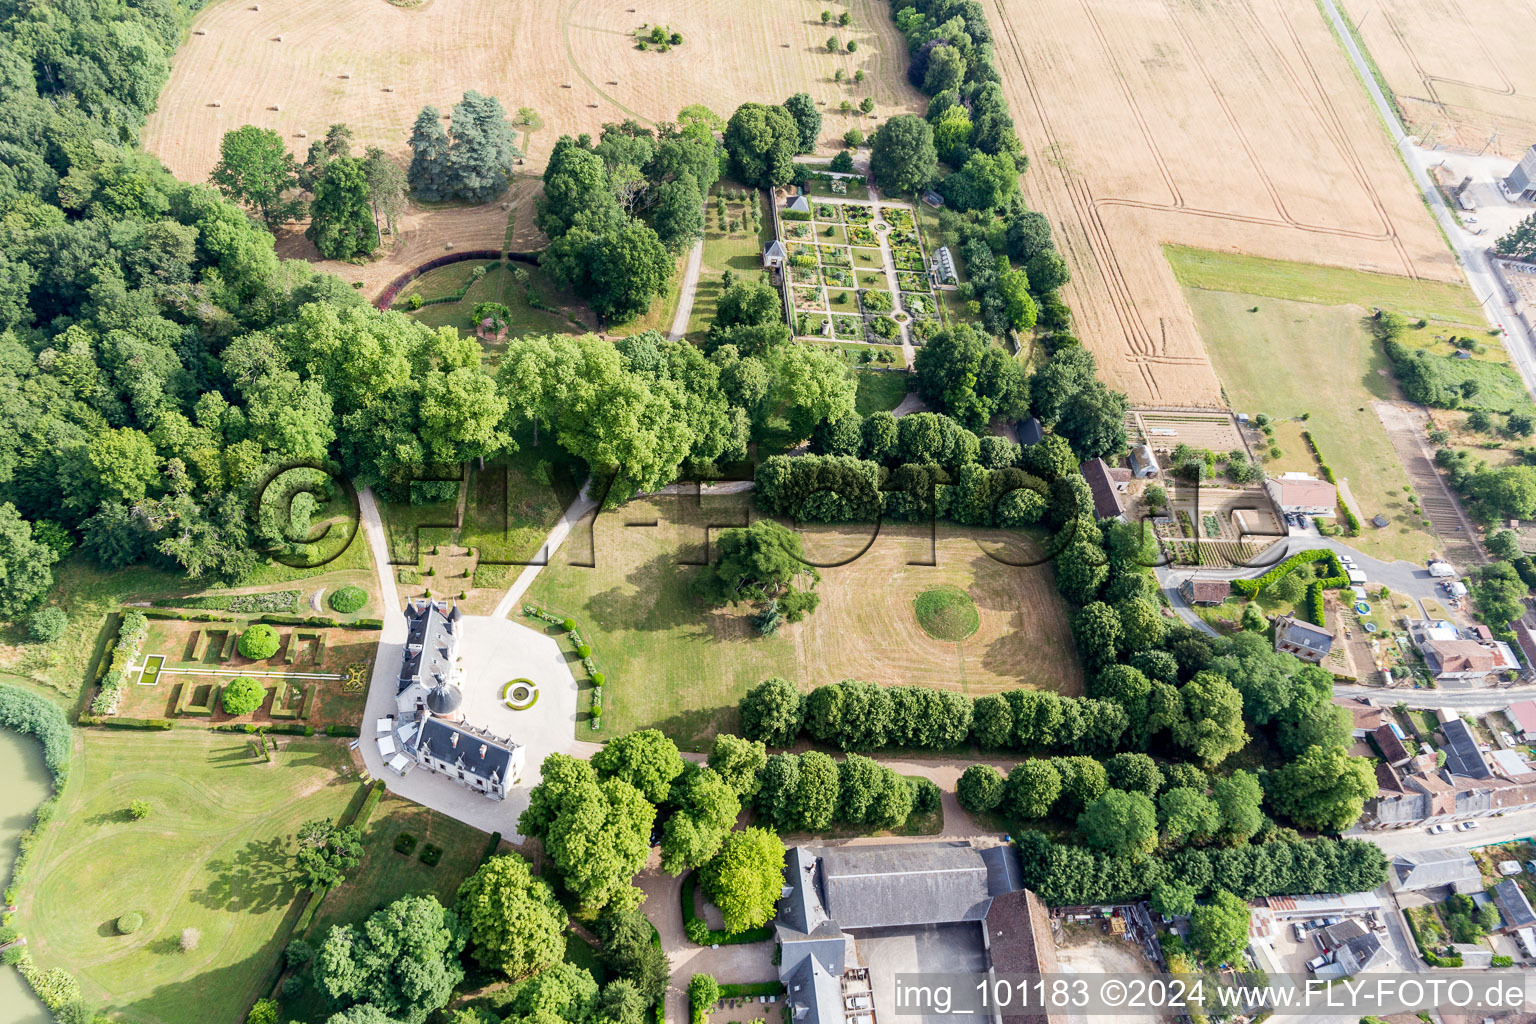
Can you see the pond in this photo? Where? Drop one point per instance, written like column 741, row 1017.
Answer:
column 21, row 765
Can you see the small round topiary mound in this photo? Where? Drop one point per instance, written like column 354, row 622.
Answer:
column 243, row 695
column 130, row 923
column 946, row 613
column 348, row 599
column 259, row 642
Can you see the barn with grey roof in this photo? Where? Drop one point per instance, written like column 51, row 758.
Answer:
column 839, row 901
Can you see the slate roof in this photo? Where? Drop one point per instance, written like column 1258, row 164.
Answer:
column 1430, row 869
column 775, row 250
column 431, row 643
column 444, row 699
column 814, row 994
column 904, row 884
column 1462, row 755
column 799, row 204
column 1303, row 634
column 1030, row 431
column 475, row 754
column 1513, row 906
column 1335, row 935
column 1362, row 953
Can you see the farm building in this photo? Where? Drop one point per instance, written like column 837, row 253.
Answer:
column 774, row 255
column 1303, row 493
column 1520, row 184
column 849, row 915
column 1302, row 638
column 798, row 205
column 1198, row 591
column 1108, row 485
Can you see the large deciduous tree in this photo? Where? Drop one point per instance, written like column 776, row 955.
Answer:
column 511, row 917
column 325, row 851
column 745, row 877
column 256, row 170
column 404, row 959
column 902, row 157
column 1124, row 824
column 761, row 142
column 340, row 217
column 646, row 759
column 1323, row 789
column 595, row 833
column 707, row 808
column 1218, row 929
column 807, row 120
column 773, row 712
column 1211, row 723
column 763, row 563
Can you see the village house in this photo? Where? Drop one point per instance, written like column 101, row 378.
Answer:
column 1302, row 638
column 1365, row 717
column 1460, row 655
column 1205, row 591
column 1304, row 494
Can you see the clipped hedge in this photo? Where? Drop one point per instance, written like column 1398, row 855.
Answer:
column 752, row 990
column 1315, row 610
column 117, row 722
column 370, row 802
column 490, row 847
column 341, row 730
column 1255, row 587
column 131, row 634
column 1322, row 463
column 161, row 613
column 698, row 930
column 273, row 601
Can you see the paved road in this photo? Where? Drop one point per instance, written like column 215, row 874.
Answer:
column 1489, row 832
column 1472, row 251
column 1481, row 699
column 689, row 290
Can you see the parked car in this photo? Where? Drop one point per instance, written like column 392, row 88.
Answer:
column 1318, row 961
column 1465, row 826
column 1436, row 830
column 1298, row 931
column 1303, row 522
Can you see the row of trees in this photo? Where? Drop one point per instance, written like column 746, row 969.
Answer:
column 811, row 792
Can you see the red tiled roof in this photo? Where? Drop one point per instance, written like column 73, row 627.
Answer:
column 1524, row 714
column 1391, row 747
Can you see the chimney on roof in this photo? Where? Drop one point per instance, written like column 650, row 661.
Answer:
column 482, row 751
column 455, row 741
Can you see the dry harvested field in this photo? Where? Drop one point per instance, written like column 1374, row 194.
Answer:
column 1462, row 71
column 1234, row 126
column 573, row 61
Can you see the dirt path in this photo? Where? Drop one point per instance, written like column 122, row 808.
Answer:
column 689, row 289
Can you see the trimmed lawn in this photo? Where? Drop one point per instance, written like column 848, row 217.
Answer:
column 561, row 313
column 1451, row 303
column 681, row 666
column 1333, row 370
column 879, row 390
column 214, row 854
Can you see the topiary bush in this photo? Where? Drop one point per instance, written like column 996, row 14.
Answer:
column 47, row 624
column 130, row 923
column 259, row 642
column 348, row 599
column 243, row 695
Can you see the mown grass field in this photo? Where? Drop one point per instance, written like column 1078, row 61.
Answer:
column 677, row 664
column 213, row 854
column 557, row 312
column 1294, row 358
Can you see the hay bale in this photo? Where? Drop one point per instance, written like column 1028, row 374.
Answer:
column 389, row 88
column 274, row 107
column 302, row 135
column 343, row 75
column 198, row 32
column 215, row 103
